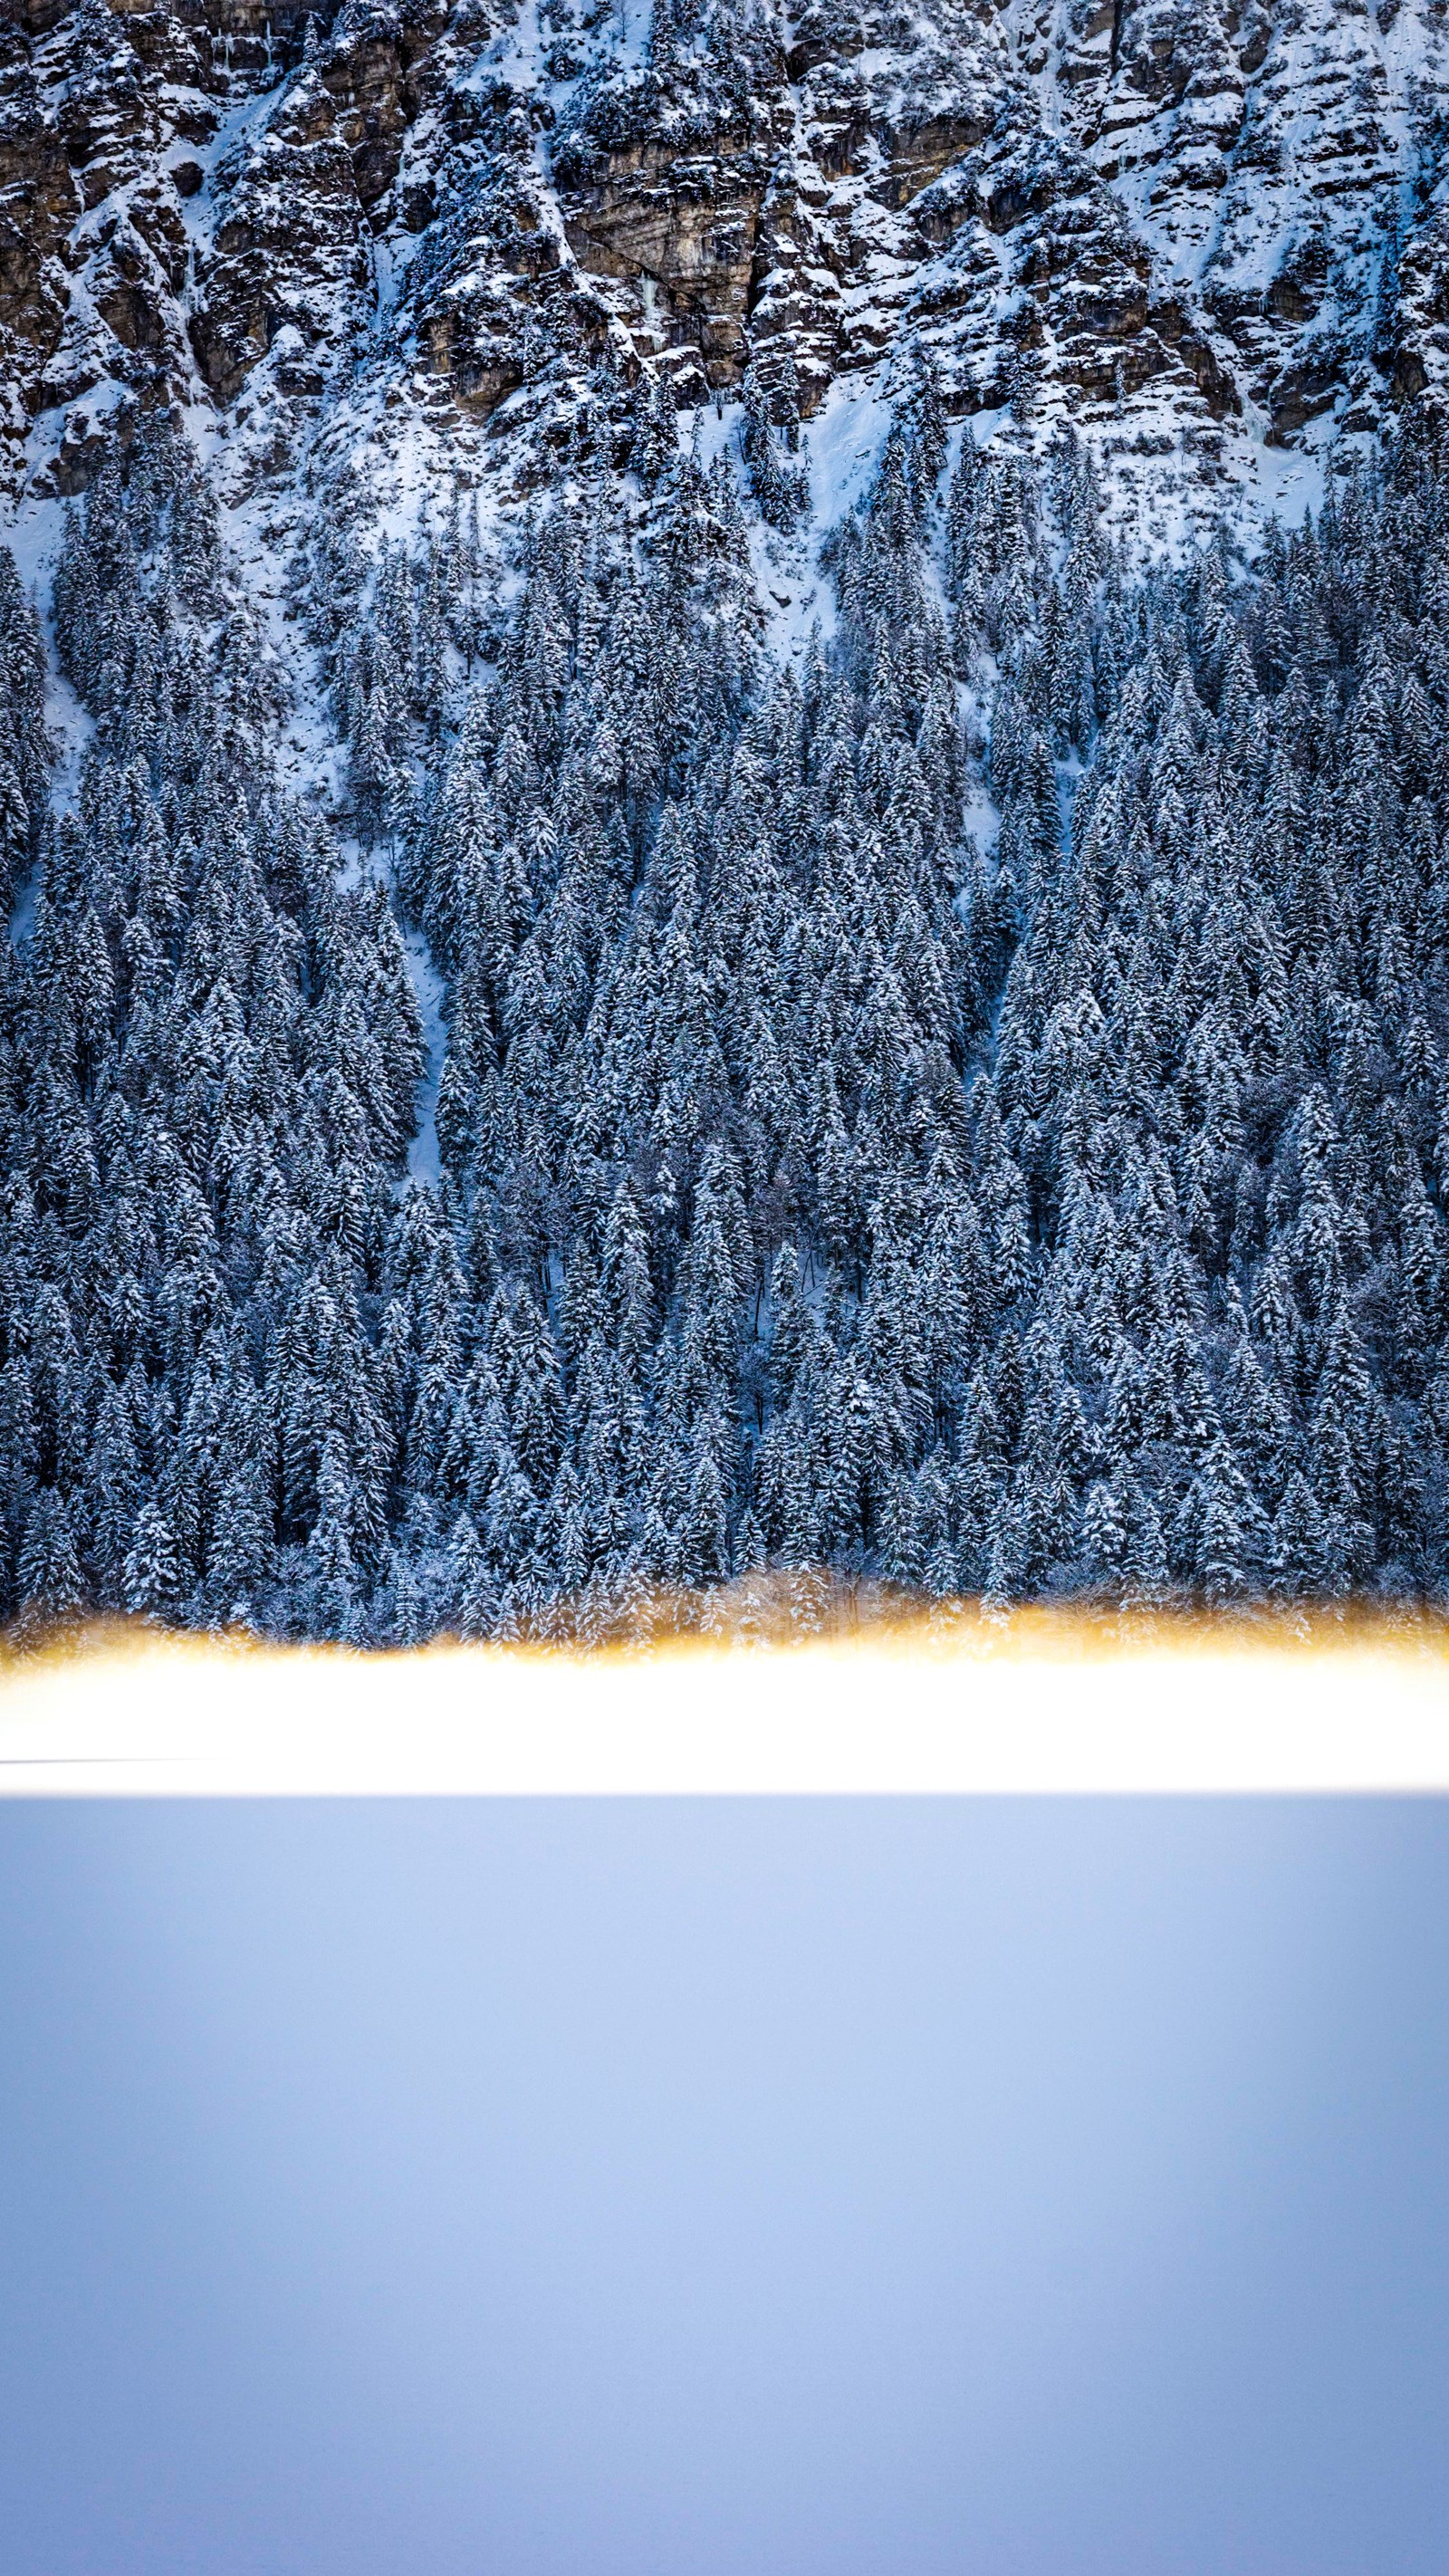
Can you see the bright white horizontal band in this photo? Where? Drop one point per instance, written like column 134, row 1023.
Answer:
column 1040, row 1712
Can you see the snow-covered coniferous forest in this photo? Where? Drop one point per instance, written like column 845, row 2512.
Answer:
column 672, row 922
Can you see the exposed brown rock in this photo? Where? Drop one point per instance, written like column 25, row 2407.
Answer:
column 1134, row 211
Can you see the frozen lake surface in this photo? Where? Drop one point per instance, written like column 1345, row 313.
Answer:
column 683, row 2187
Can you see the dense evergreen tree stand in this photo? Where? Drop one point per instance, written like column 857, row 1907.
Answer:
column 1049, row 1211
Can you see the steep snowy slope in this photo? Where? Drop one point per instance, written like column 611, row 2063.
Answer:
column 665, row 928
column 1188, row 226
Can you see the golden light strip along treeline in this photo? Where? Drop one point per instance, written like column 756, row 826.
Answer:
column 791, row 1614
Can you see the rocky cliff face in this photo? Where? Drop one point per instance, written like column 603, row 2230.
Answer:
column 1192, row 227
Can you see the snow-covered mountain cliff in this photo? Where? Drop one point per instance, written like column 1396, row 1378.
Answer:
column 724, row 806
column 1189, row 227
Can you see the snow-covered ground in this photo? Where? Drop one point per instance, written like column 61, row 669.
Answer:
column 428, row 985
column 1046, row 1711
